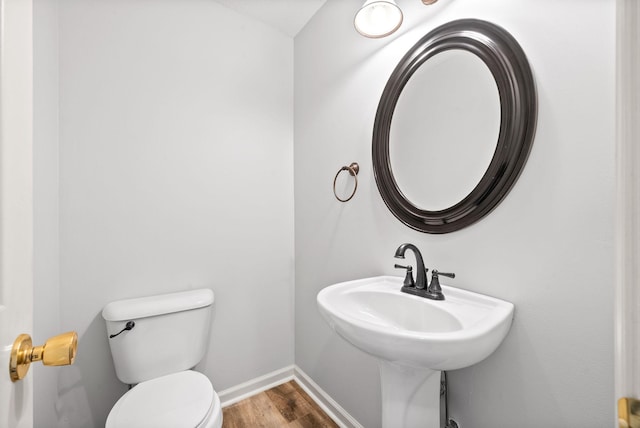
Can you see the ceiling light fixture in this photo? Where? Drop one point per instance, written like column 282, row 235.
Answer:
column 378, row 18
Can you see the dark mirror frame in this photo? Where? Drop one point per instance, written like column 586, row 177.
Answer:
column 518, row 103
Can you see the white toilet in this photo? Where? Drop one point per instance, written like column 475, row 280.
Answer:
column 155, row 342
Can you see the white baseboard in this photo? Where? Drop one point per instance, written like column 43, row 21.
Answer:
column 330, row 406
column 255, row 386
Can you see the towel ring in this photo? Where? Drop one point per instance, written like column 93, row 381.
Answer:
column 353, row 169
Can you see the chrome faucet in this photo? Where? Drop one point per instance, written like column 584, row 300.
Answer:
column 432, row 291
column 421, row 272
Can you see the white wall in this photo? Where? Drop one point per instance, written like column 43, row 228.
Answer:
column 46, row 240
column 176, row 172
column 548, row 248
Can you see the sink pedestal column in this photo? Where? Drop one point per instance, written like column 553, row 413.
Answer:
column 410, row 396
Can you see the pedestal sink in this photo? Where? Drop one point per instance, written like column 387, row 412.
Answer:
column 414, row 338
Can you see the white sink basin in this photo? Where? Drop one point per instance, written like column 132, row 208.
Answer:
column 374, row 315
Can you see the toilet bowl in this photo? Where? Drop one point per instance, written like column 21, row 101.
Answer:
column 184, row 399
column 155, row 342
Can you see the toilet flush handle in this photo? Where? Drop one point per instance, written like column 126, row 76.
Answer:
column 127, row 327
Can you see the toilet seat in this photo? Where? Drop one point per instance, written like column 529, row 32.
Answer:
column 184, row 399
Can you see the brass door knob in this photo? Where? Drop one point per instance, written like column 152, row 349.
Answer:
column 629, row 412
column 57, row 351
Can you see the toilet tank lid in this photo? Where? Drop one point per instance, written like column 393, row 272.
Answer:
column 142, row 307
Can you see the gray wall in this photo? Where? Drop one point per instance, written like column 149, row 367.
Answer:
column 46, row 276
column 175, row 172
column 548, row 248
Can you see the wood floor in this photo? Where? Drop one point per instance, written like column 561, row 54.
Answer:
column 286, row 405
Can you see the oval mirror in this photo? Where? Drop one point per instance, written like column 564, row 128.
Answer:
column 454, row 126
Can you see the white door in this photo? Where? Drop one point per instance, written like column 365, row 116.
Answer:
column 16, row 203
column 627, row 338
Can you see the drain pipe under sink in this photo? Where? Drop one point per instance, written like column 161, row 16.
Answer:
column 444, row 393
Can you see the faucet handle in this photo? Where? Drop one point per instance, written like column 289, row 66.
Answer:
column 434, row 288
column 437, row 273
column 408, row 279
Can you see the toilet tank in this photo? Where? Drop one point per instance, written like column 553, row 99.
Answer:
column 171, row 333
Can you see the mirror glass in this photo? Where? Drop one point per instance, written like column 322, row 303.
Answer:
column 444, row 129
